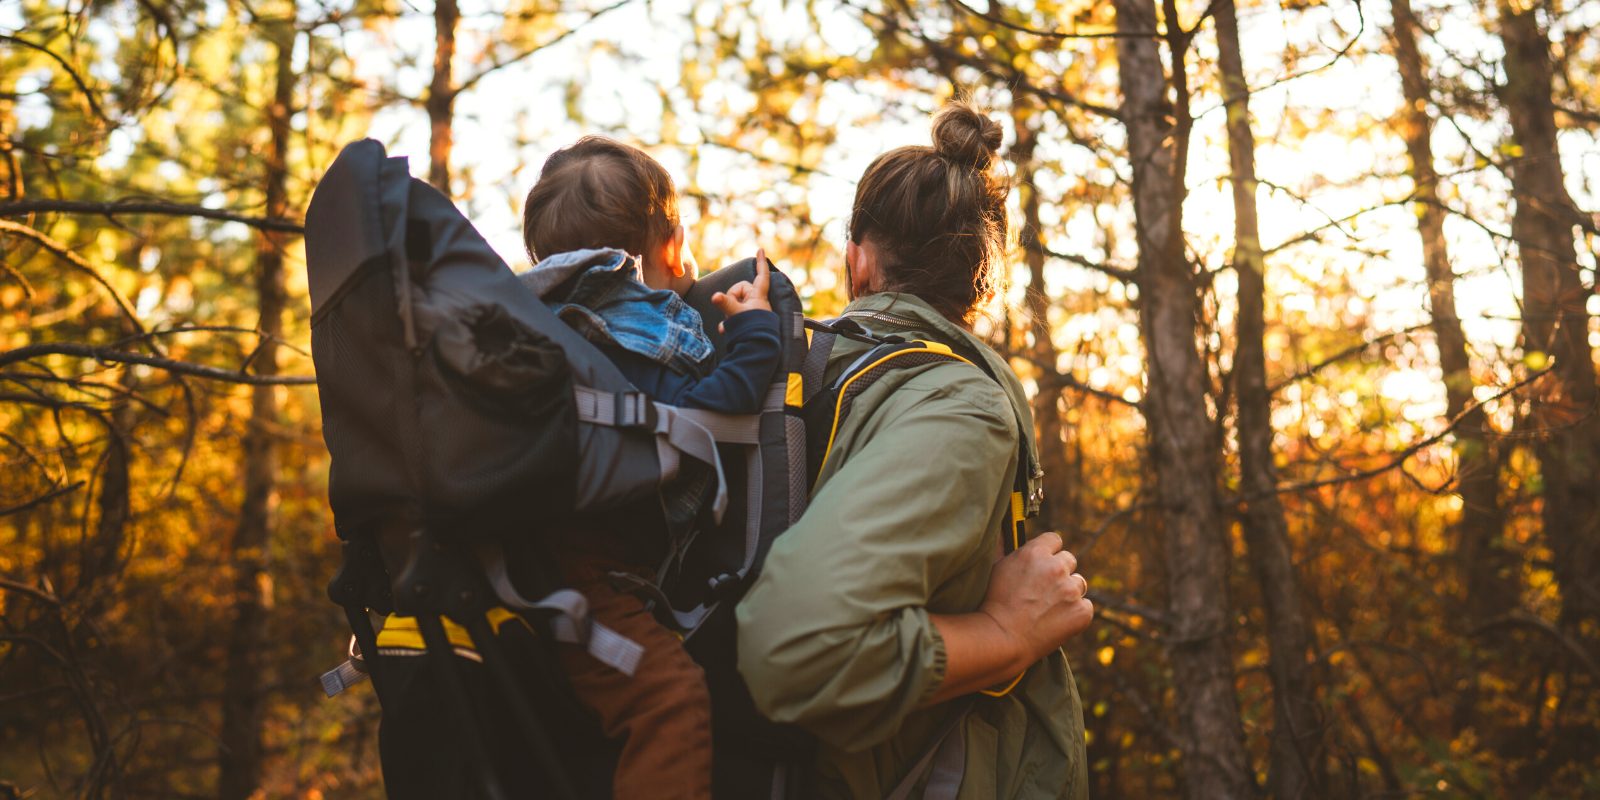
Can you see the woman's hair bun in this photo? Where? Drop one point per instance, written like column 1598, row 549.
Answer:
column 965, row 136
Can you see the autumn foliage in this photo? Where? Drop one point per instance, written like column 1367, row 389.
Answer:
column 1305, row 293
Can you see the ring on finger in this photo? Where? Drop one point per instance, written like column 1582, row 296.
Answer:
column 1084, row 581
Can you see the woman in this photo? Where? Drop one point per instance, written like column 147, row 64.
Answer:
column 880, row 615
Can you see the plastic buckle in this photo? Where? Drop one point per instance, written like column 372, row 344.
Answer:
column 634, row 409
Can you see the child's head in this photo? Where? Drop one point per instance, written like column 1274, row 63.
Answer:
column 599, row 192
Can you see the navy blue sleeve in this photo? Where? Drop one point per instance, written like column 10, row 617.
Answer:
column 738, row 384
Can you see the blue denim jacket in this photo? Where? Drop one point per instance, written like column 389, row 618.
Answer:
column 600, row 294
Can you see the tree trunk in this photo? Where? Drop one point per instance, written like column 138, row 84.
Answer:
column 442, row 93
column 242, row 695
column 1042, row 352
column 1296, row 768
column 1555, row 321
column 1183, row 446
column 1482, row 563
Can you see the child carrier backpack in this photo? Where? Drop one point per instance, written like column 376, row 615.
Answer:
column 467, row 426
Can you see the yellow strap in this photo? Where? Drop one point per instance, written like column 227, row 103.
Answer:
column 1019, row 514
column 403, row 633
column 1005, row 690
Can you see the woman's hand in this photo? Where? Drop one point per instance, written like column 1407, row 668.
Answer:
column 746, row 295
column 1034, row 605
column 1037, row 597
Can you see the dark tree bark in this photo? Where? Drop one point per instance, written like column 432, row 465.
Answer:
column 1296, row 769
column 1555, row 320
column 1183, row 444
column 242, row 693
column 1046, row 403
column 442, row 93
column 1485, row 570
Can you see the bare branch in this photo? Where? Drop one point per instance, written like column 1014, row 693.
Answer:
column 1353, row 350
column 1521, row 619
column 1062, row 380
column 123, row 357
column 23, row 207
column 1123, row 274
column 43, row 498
column 19, row 587
column 1400, row 458
column 61, row 251
column 1054, row 34
column 498, row 64
column 83, row 86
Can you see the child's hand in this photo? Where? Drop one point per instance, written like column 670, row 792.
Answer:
column 746, row 295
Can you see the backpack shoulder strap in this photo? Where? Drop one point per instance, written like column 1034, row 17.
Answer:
column 827, row 407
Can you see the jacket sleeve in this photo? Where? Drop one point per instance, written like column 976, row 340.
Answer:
column 738, row 384
column 835, row 635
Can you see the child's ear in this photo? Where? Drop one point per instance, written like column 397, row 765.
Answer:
column 673, row 257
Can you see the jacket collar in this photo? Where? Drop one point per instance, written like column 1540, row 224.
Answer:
column 906, row 313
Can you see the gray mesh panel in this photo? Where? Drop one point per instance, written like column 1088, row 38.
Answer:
column 795, row 430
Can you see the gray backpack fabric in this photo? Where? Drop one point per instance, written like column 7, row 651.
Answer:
column 448, row 391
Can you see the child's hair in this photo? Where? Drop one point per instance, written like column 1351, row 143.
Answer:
column 938, row 213
column 599, row 192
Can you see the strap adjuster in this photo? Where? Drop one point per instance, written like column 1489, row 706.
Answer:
column 635, row 409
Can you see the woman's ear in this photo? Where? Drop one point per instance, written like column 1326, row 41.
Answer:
column 861, row 267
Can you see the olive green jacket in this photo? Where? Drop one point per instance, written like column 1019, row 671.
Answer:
column 835, row 635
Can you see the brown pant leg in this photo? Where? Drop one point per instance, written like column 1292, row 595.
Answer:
column 662, row 713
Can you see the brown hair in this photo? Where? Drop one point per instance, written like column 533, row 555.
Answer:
column 598, row 192
column 938, row 214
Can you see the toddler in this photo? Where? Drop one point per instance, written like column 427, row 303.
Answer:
column 602, row 228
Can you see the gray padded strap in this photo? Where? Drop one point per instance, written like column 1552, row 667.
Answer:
column 777, row 394
column 816, row 363
column 946, row 756
column 685, row 431
column 725, row 428
column 679, row 428
column 949, row 766
column 743, row 429
column 569, row 615
column 752, row 509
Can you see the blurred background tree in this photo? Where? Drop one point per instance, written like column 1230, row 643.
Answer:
column 1304, row 291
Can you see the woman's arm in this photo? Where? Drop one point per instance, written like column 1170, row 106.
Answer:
column 835, row 634
column 1034, row 605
